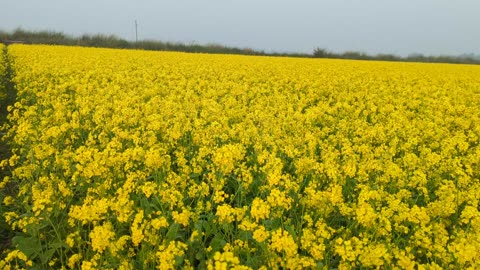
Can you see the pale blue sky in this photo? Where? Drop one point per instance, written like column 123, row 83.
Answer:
column 372, row 26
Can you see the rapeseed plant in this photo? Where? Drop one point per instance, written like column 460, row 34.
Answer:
column 142, row 160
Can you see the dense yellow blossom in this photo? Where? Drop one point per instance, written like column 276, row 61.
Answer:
column 167, row 255
column 224, row 261
column 137, row 228
column 73, row 260
column 260, row 209
column 129, row 159
column 101, row 237
column 225, row 213
column 283, row 242
column 260, row 234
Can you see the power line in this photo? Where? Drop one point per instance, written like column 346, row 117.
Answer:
column 136, row 32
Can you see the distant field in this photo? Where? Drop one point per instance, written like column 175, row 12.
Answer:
column 129, row 159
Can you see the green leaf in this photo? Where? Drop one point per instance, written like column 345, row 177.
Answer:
column 199, row 225
column 194, row 175
column 207, row 227
column 291, row 230
column 200, row 255
column 29, row 246
column 245, row 235
column 47, row 255
column 217, row 243
column 58, row 245
column 173, row 231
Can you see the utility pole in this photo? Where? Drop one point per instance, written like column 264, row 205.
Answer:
column 136, row 32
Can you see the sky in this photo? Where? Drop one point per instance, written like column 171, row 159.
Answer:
column 430, row 27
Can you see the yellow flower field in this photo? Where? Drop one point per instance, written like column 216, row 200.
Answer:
column 128, row 159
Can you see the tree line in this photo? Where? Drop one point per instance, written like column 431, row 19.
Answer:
column 111, row 41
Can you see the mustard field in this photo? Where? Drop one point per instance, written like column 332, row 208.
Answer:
column 125, row 159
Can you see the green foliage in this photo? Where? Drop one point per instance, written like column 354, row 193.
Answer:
column 7, row 97
column 463, row 59
column 112, row 41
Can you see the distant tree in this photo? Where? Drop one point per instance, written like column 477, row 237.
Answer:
column 388, row 57
column 321, row 53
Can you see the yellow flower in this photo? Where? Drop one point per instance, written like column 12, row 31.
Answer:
column 86, row 265
column 73, row 260
column 166, row 255
column 158, row 223
column 259, row 209
column 92, row 210
column 282, row 241
column 101, row 237
column 226, row 156
column 72, row 239
column 125, row 142
column 225, row 260
column 148, row 189
column 225, row 213
column 137, row 228
column 277, row 198
column 182, row 218
column 8, row 200
column 260, row 234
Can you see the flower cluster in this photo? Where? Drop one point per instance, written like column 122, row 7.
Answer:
column 128, row 159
